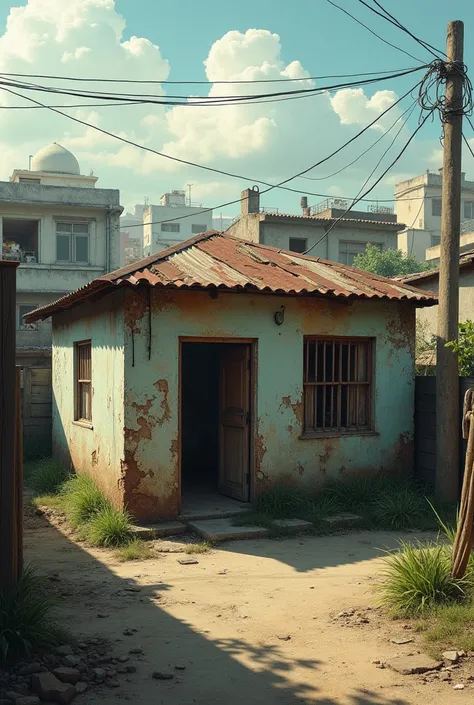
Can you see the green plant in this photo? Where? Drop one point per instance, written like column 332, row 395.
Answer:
column 450, row 627
column 51, row 501
column 464, row 348
column 418, row 578
column 398, row 508
column 322, row 507
column 356, row 494
column 25, row 618
column 136, row 550
column 199, row 547
column 82, row 499
column 47, row 476
column 389, row 262
column 282, row 501
column 108, row 527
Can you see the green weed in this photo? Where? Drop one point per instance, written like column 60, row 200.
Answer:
column 136, row 550
column 199, row 547
column 282, row 501
column 399, row 508
column 108, row 527
column 47, row 476
column 82, row 500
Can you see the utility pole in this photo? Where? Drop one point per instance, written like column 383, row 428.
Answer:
column 447, row 373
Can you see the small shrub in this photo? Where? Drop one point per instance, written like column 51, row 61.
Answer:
column 47, row 476
column 399, row 508
column 200, row 547
column 357, row 494
column 418, row 578
column 282, row 501
column 136, row 550
column 108, row 527
column 82, row 500
column 25, row 623
column 323, row 507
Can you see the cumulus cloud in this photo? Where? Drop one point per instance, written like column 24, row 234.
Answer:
column 267, row 140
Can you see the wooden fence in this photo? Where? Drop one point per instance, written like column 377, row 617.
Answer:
column 425, row 426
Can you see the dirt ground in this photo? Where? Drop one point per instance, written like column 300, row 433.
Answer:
column 252, row 622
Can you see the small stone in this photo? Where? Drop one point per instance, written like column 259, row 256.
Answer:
column 284, row 637
column 71, row 660
column 102, row 615
column 28, row 700
column 99, row 674
column 64, row 650
column 452, row 656
column 131, row 669
column 123, row 659
column 136, row 650
column 81, row 687
column 127, row 632
column 179, row 667
column 48, row 687
column 346, row 613
column 187, row 561
column 459, row 686
column 416, row 663
column 122, row 669
column 30, row 668
column 22, row 689
column 401, row 641
column 110, row 683
column 162, row 676
column 132, row 589
column 67, row 675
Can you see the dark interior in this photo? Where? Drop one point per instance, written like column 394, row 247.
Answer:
column 24, row 233
column 200, row 416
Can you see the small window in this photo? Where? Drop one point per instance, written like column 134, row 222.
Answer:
column 72, row 242
column 170, row 227
column 298, row 244
column 22, row 310
column 83, row 373
column 436, row 206
column 435, row 240
column 468, row 209
column 28, row 180
column 349, row 249
column 337, row 385
column 197, row 228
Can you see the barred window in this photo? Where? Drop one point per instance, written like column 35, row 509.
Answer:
column 337, row 385
column 83, row 373
column 198, row 228
column 170, row 227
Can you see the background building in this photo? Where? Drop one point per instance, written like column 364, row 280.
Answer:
column 159, row 235
column 64, row 232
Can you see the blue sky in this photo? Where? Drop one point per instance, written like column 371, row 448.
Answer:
column 312, row 32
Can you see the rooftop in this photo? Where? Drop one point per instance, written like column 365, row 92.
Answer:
column 215, row 260
column 465, row 260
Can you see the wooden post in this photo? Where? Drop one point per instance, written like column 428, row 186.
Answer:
column 447, row 374
column 8, row 498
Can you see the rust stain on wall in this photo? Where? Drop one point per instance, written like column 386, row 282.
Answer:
column 261, row 480
column 328, row 449
column 296, row 407
column 135, row 308
column 162, row 386
column 404, row 453
column 401, row 329
column 174, row 449
column 144, row 408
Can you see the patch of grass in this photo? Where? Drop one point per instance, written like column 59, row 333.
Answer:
column 251, row 518
column 399, row 508
column 46, row 476
column 25, row 623
column 418, row 578
column 282, row 501
column 51, row 501
column 199, row 547
column 108, row 527
column 321, row 508
column 450, row 627
column 357, row 494
column 82, row 500
column 136, row 550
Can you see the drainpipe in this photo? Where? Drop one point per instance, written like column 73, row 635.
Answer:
column 107, row 242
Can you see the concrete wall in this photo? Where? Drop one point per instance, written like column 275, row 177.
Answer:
column 155, row 239
column 151, row 453
column 97, row 450
column 428, row 317
column 415, row 242
column 246, row 227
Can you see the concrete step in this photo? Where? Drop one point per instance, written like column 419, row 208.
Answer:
column 343, row 520
column 151, row 532
column 223, row 529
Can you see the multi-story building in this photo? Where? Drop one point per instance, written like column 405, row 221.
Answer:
column 173, row 221
column 64, row 232
column 418, row 205
column 298, row 233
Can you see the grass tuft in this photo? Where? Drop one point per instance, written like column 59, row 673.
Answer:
column 418, row 578
column 46, row 476
column 25, row 623
column 199, row 547
column 51, row 501
column 136, row 550
column 82, row 500
column 451, row 627
column 108, row 527
column 282, row 501
column 357, row 494
column 399, row 508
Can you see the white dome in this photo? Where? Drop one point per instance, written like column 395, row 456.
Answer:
column 55, row 159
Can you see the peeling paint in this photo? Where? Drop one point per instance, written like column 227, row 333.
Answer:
column 162, row 387
column 296, row 407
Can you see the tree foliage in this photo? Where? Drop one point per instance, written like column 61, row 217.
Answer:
column 388, row 263
column 464, row 348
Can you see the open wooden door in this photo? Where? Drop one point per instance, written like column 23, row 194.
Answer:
column 234, row 421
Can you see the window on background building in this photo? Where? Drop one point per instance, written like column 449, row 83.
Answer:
column 298, row 244
column 468, row 209
column 22, row 310
column 348, row 249
column 337, row 382
column 436, row 206
column 72, row 242
column 83, row 386
column 435, row 240
column 196, row 229
column 170, row 227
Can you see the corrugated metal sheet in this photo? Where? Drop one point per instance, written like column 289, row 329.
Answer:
column 466, row 259
column 322, row 219
column 217, row 260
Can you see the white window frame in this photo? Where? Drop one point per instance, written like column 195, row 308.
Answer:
column 72, row 240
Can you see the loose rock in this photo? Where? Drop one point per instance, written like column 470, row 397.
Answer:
column 67, row 675
column 28, row 700
column 48, row 687
column 402, row 641
column 162, row 676
column 71, row 660
column 30, row 668
column 64, row 650
column 417, row 663
column 452, row 656
column 81, row 687
column 459, row 686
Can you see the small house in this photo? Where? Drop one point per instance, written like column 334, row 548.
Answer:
column 225, row 366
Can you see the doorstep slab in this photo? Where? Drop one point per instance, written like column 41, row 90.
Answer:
column 293, row 524
column 224, row 530
column 150, row 532
column 343, row 519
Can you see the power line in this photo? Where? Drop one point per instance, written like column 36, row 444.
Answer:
column 467, row 144
column 385, row 41
column 196, row 83
column 358, row 199
column 211, row 169
column 414, row 221
column 393, row 20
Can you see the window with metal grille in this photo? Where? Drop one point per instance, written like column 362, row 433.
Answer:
column 197, row 228
column 436, row 206
column 170, row 227
column 83, row 371
column 337, row 385
column 298, row 244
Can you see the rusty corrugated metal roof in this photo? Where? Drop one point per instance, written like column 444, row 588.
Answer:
column 216, row 260
column 466, row 259
column 325, row 219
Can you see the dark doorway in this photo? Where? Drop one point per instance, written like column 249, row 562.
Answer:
column 215, row 418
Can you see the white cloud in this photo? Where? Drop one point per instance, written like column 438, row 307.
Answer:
column 355, row 108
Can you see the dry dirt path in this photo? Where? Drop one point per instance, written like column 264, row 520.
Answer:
column 227, row 620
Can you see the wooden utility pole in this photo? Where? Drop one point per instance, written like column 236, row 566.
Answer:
column 447, row 374
column 9, row 568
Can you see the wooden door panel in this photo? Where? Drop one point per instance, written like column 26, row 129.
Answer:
column 234, row 416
